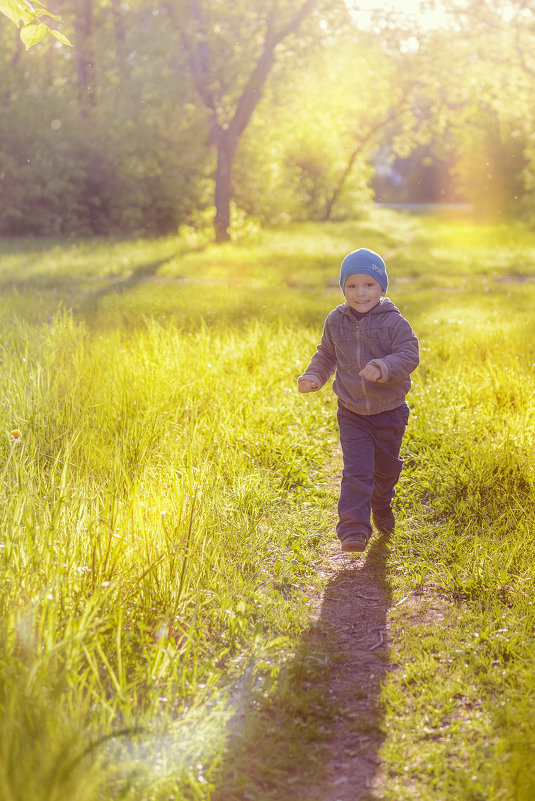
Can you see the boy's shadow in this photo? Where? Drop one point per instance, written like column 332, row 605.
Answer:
column 317, row 736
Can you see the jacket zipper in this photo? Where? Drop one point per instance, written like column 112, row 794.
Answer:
column 363, row 380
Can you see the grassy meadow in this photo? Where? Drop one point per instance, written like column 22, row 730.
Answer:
column 170, row 500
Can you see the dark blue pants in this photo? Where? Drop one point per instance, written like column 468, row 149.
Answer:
column 372, row 465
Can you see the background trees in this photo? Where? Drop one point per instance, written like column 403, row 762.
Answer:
column 162, row 111
column 230, row 53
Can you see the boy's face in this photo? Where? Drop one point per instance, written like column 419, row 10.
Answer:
column 362, row 292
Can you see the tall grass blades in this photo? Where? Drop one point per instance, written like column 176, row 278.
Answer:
column 166, row 497
column 137, row 544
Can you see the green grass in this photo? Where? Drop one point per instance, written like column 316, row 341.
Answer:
column 169, row 502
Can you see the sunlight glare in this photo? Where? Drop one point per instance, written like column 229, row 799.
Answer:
column 424, row 15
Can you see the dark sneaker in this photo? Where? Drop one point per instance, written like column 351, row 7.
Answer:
column 355, row 543
column 384, row 520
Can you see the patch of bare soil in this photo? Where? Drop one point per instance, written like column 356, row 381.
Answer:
column 352, row 612
column 279, row 745
column 356, row 612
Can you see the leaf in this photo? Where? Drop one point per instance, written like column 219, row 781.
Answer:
column 42, row 12
column 61, row 38
column 26, row 13
column 17, row 12
column 33, row 33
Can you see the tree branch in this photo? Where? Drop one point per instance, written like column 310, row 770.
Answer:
column 358, row 149
column 294, row 23
column 197, row 53
column 521, row 55
column 252, row 91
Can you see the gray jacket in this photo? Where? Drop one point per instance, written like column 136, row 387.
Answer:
column 384, row 338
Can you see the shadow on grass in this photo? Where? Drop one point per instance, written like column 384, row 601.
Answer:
column 75, row 284
column 143, row 272
column 317, row 734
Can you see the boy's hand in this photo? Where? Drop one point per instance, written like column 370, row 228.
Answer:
column 371, row 372
column 306, row 385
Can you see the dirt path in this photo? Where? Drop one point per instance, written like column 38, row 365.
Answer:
column 353, row 613
column 349, row 639
column 339, row 667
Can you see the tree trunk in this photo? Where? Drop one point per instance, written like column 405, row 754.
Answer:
column 226, row 138
column 226, row 149
column 340, row 185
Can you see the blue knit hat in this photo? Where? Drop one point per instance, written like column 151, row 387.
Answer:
column 364, row 261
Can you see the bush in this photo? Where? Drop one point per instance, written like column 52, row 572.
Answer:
column 125, row 177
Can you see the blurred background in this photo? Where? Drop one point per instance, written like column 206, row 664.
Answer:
column 282, row 110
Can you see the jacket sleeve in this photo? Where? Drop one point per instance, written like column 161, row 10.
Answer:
column 323, row 363
column 405, row 355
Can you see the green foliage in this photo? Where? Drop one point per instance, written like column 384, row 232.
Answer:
column 321, row 141
column 127, row 164
column 113, row 135
column 477, row 96
column 492, row 167
column 30, row 17
column 56, row 180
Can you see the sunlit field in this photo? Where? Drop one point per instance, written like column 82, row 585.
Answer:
column 168, row 498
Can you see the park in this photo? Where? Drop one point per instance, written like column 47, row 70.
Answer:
column 179, row 184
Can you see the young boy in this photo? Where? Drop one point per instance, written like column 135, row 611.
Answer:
column 373, row 351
